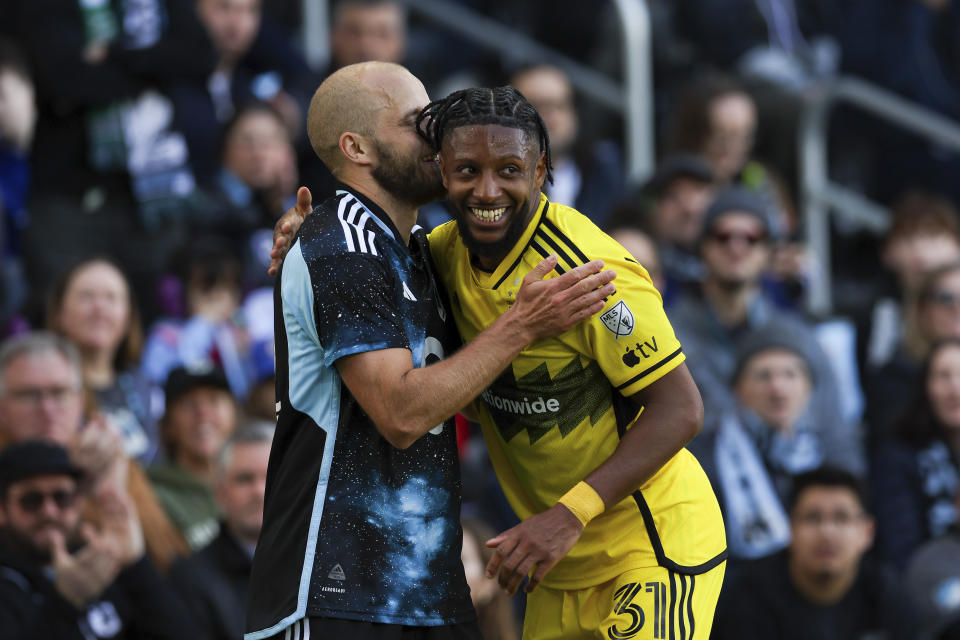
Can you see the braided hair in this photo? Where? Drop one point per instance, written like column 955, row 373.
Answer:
column 503, row 106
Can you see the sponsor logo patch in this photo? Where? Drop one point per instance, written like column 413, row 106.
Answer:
column 619, row 320
column 643, row 349
column 337, row 573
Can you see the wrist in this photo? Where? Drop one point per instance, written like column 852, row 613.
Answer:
column 583, row 502
column 516, row 332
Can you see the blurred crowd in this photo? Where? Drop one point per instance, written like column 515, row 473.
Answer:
column 147, row 148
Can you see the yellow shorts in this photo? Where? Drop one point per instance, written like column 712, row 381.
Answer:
column 642, row 604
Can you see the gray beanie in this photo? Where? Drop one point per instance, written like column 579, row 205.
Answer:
column 740, row 200
column 774, row 336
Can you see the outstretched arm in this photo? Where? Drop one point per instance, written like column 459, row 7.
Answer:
column 672, row 416
column 405, row 402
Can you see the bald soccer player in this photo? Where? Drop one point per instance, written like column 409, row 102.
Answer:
column 361, row 535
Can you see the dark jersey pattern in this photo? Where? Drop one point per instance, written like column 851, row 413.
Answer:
column 353, row 527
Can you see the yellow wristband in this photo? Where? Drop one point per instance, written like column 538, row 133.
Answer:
column 585, row 503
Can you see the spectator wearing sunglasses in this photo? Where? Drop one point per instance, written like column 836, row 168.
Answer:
column 713, row 320
column 42, row 398
column 60, row 579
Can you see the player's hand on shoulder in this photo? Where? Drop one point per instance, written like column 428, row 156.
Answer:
column 549, row 307
column 287, row 227
column 538, row 544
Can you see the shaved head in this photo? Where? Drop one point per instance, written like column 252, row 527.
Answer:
column 351, row 99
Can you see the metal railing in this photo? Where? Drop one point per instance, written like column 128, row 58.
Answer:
column 633, row 99
column 820, row 197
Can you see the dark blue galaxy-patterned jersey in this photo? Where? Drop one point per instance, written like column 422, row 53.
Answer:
column 353, row 527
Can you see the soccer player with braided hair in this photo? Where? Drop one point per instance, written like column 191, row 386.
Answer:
column 621, row 535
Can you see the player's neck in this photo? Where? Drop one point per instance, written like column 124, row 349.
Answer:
column 403, row 214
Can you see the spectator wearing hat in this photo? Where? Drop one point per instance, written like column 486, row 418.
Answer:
column 756, row 450
column 42, row 397
column 201, row 414
column 61, row 580
column 214, row 581
column 713, row 321
column 824, row 585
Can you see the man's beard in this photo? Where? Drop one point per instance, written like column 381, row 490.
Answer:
column 731, row 284
column 22, row 544
column 499, row 248
column 406, row 181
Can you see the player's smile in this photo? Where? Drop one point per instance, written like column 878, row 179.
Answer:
column 493, row 176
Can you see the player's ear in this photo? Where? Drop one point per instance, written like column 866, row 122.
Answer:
column 356, row 148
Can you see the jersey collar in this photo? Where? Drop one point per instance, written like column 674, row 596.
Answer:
column 512, row 259
column 376, row 212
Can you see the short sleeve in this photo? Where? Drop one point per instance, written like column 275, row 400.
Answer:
column 354, row 305
column 632, row 339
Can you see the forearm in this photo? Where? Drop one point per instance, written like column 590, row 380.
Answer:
column 424, row 397
column 656, row 436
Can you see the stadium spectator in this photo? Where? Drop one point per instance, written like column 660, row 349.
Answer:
column 642, row 247
column 41, row 397
column 915, row 475
column 360, row 31
column 588, row 175
column 924, row 236
column 365, row 30
column 824, row 585
column 672, row 205
column 110, row 166
column 92, row 305
column 255, row 185
column 782, row 49
column 18, row 118
column 41, row 389
column 716, row 118
column 211, row 330
column 201, row 414
column 61, row 578
column 735, row 246
column 213, row 582
column 251, row 65
column 754, row 452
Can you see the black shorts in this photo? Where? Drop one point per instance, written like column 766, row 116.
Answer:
column 336, row 628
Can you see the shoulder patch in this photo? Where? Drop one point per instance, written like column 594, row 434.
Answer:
column 619, row 319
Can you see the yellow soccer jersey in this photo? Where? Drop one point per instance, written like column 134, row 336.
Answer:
column 559, row 411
